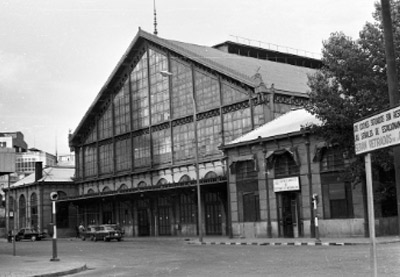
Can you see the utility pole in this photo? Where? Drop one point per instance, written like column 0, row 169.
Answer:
column 393, row 87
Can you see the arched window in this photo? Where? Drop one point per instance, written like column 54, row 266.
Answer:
column 184, row 178
column 210, row 175
column 123, row 187
column 22, row 211
column 162, row 181
column 62, row 218
column 61, row 195
column 90, row 191
column 106, row 189
column 11, row 205
column 285, row 165
column 142, row 184
column 34, row 210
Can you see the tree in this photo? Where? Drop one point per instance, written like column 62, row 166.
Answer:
column 352, row 85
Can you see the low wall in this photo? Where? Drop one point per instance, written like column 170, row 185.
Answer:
column 253, row 229
column 350, row 227
column 387, row 226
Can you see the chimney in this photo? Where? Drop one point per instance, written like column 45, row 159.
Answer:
column 38, row 171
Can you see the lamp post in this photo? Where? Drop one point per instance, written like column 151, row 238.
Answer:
column 166, row 73
column 196, row 157
column 8, row 214
column 54, row 198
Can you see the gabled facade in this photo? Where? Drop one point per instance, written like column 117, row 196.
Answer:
column 166, row 108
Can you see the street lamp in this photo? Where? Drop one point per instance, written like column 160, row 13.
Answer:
column 166, row 73
column 196, row 158
column 54, row 198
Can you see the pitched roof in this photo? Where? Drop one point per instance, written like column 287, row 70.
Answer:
column 52, row 174
column 284, row 77
column 288, row 123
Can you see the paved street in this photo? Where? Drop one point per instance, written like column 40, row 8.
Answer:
column 175, row 257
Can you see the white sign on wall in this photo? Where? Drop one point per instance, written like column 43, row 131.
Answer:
column 378, row 131
column 286, row 184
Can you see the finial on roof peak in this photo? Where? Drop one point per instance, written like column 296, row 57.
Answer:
column 155, row 18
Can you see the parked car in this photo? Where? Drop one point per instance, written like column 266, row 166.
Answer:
column 27, row 233
column 107, row 232
column 89, row 232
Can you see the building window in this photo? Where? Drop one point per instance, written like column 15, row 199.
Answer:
column 285, row 166
column 187, row 208
column 183, row 142
column 121, row 110
column 182, row 90
column 106, row 158
column 34, row 211
column 209, row 136
column 140, row 94
column 237, row 123
column 207, row 92
column 247, row 190
column 331, row 160
column 90, row 158
column 123, row 154
column 159, row 87
column 141, row 144
column 22, row 211
column 336, row 193
column 231, row 95
column 105, row 124
column 161, row 146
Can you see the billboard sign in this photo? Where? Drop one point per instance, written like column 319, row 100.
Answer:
column 286, row 184
column 377, row 131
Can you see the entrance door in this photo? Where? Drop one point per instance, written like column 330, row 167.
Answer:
column 289, row 214
column 164, row 222
column 213, row 211
column 143, row 219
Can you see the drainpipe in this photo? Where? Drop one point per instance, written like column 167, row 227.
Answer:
column 309, row 177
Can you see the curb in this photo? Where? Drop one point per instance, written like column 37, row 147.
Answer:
column 279, row 243
column 296, row 243
column 63, row 273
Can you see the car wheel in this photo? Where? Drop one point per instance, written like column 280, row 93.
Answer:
column 33, row 238
column 118, row 239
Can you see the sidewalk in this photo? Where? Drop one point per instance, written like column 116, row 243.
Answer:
column 18, row 266
column 22, row 266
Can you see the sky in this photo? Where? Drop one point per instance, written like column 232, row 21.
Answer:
column 55, row 55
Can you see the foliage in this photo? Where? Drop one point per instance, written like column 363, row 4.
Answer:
column 352, row 85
